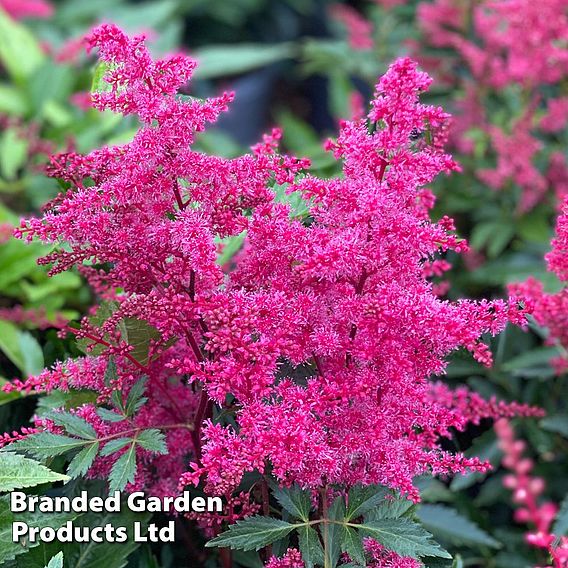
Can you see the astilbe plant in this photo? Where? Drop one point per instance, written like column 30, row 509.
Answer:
column 521, row 48
column 550, row 310
column 307, row 358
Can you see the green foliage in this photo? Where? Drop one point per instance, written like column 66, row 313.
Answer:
column 8, row 549
column 56, row 561
column 323, row 539
column 445, row 523
column 253, row 533
column 225, row 60
column 293, row 500
column 17, row 472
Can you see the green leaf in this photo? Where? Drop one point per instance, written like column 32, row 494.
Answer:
column 334, row 530
column 224, row 60
column 403, row 537
column 17, row 472
column 11, row 101
column 123, row 470
column 32, row 354
column 363, row 499
column 115, row 445
column 390, row 509
column 10, row 343
column 74, row 425
column 81, row 463
column 557, row 423
column 352, row 544
column 252, row 533
column 139, row 334
column 560, row 527
column 20, row 53
column 13, row 153
column 310, row 546
column 293, row 499
column 447, row 523
column 46, row 445
column 8, row 549
column 56, row 561
column 152, row 440
column 109, row 415
column 134, row 400
column 99, row 84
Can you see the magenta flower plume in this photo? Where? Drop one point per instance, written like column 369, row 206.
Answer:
column 309, row 356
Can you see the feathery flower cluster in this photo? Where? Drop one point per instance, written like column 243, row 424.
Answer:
column 514, row 42
column 526, row 491
column 551, row 310
column 318, row 346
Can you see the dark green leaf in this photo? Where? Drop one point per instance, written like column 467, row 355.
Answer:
column 153, row 440
column 46, row 445
column 294, row 500
column 134, row 399
column 352, row 544
column 363, row 499
column 123, row 470
column 310, row 546
column 109, row 415
column 74, row 425
column 252, row 533
column 17, row 472
column 114, row 445
column 447, row 523
column 403, row 537
column 81, row 463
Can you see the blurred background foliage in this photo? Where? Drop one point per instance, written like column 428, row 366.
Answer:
column 291, row 63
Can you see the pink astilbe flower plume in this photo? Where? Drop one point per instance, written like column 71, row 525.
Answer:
column 319, row 344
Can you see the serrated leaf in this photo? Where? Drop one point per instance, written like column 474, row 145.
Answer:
column 109, row 415
column 153, row 440
column 56, row 561
column 447, row 523
column 17, row 472
column 390, row 509
column 293, row 499
column 403, row 537
column 123, row 470
column 115, row 445
column 81, row 463
column 46, row 445
column 134, row 399
column 310, row 546
column 74, row 425
column 336, row 513
column 363, row 499
column 560, row 527
column 252, row 533
column 352, row 544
